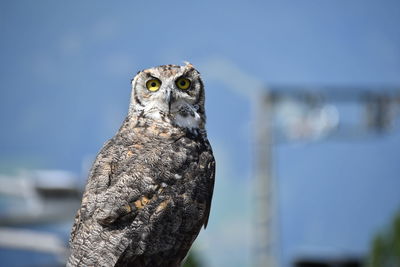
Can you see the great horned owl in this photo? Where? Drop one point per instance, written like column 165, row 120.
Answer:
column 149, row 190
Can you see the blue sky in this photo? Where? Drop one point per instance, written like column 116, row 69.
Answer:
column 65, row 74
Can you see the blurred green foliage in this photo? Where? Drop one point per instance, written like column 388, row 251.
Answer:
column 192, row 260
column 385, row 251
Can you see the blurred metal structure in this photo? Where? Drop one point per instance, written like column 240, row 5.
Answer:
column 306, row 115
column 38, row 196
column 25, row 239
column 264, row 195
column 298, row 113
column 36, row 212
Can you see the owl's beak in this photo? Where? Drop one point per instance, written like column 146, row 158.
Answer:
column 169, row 97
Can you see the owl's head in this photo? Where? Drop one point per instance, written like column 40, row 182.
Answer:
column 169, row 93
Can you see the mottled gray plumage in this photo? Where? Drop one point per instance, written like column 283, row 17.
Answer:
column 149, row 190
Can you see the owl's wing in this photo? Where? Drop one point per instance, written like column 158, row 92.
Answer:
column 207, row 160
column 111, row 195
column 110, row 191
column 162, row 204
column 88, row 202
column 75, row 227
column 102, row 204
column 210, row 174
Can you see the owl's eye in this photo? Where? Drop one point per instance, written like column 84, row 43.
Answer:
column 183, row 83
column 153, row 84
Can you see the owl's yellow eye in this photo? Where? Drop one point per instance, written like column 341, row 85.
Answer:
column 153, row 84
column 183, row 83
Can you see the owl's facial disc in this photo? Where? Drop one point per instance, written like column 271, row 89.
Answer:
column 175, row 104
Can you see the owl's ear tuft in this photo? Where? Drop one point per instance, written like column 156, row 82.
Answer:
column 188, row 65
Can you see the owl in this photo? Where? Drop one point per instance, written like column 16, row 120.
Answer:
column 150, row 187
